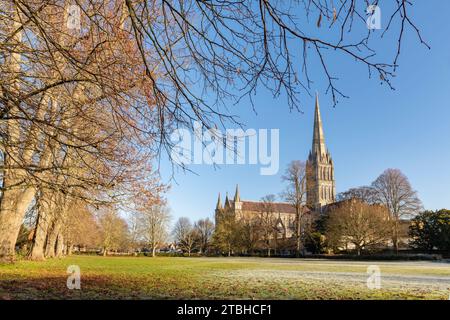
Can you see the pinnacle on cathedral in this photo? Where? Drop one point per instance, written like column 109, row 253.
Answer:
column 227, row 201
column 237, row 197
column 219, row 203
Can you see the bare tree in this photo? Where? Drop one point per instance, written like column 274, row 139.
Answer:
column 57, row 139
column 295, row 194
column 250, row 233
column 392, row 189
column 362, row 225
column 154, row 224
column 267, row 220
column 204, row 228
column 82, row 229
column 364, row 193
column 244, row 44
column 113, row 230
column 185, row 235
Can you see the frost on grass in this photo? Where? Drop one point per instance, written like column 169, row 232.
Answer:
column 346, row 285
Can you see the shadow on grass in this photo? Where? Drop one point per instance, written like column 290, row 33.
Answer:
column 55, row 288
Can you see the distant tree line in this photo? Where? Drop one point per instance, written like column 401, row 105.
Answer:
column 194, row 237
column 361, row 221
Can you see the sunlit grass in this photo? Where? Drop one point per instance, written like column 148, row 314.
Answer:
column 219, row 278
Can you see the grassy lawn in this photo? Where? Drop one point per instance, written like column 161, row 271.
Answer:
column 221, row 278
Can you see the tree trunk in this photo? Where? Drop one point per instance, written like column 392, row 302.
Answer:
column 10, row 223
column 105, row 250
column 59, row 246
column 298, row 235
column 13, row 203
column 12, row 211
column 154, row 251
column 69, row 248
column 40, row 234
column 395, row 236
column 51, row 240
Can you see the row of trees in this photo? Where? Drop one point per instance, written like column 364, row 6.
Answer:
column 76, row 111
column 351, row 224
column 100, row 230
column 105, row 230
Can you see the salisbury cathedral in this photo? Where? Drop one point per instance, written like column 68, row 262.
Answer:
column 320, row 190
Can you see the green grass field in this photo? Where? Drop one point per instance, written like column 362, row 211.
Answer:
column 222, row 278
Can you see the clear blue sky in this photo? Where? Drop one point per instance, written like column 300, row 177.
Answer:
column 376, row 128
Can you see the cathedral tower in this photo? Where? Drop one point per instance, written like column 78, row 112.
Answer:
column 320, row 182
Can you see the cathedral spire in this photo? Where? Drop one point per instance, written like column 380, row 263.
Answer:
column 320, row 178
column 219, row 203
column 237, row 197
column 318, row 146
